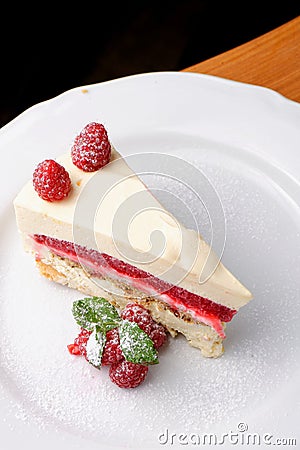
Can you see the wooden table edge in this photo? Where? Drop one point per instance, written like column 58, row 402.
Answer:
column 271, row 60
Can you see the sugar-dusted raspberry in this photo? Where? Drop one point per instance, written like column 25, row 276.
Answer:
column 137, row 313
column 126, row 374
column 51, row 181
column 112, row 352
column 158, row 335
column 81, row 341
column 91, row 149
column 93, row 130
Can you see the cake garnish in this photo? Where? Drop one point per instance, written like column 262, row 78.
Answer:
column 108, row 339
column 112, row 353
column 136, row 345
column 93, row 311
column 127, row 374
column 91, row 149
column 51, row 181
column 95, row 346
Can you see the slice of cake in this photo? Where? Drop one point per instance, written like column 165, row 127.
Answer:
column 78, row 221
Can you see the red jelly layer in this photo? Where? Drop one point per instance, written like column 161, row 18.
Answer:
column 101, row 264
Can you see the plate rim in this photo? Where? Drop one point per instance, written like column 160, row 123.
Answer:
column 225, row 81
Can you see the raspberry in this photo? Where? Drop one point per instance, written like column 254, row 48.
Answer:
column 81, row 341
column 126, row 374
column 74, row 349
column 91, row 149
column 158, row 335
column 51, row 181
column 112, row 352
column 140, row 315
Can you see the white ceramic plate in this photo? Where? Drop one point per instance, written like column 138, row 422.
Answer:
column 246, row 141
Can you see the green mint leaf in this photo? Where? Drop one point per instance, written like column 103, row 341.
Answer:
column 136, row 345
column 92, row 311
column 95, row 346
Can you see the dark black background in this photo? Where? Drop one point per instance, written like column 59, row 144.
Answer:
column 48, row 50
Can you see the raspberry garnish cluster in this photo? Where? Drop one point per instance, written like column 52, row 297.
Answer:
column 90, row 152
column 127, row 343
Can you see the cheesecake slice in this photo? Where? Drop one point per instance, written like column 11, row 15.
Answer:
column 105, row 239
